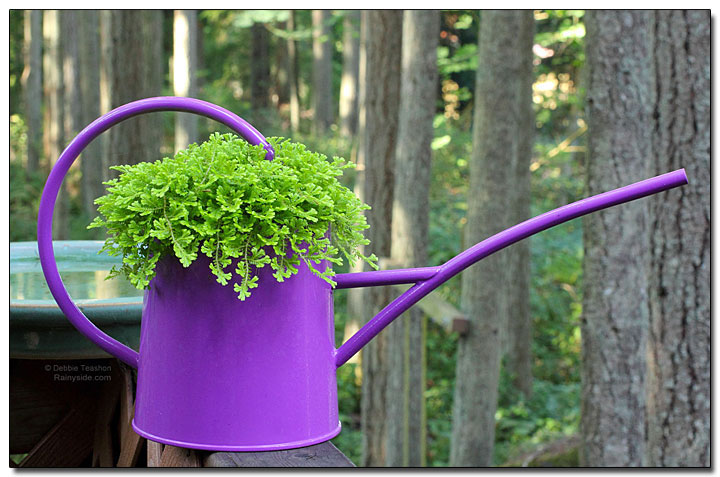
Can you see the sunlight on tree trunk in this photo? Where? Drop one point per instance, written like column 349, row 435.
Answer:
column 293, row 75
column 322, row 70
column 351, row 70
column 89, row 74
column 54, row 128
column 377, row 152
column 132, row 57
column 406, row 385
column 185, row 30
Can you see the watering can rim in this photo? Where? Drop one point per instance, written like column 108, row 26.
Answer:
column 425, row 279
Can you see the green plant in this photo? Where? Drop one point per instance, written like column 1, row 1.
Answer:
column 222, row 198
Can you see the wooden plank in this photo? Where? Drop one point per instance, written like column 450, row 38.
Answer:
column 179, row 457
column 68, row 443
column 154, row 453
column 103, row 455
column 438, row 310
column 324, row 454
column 130, row 442
column 38, row 401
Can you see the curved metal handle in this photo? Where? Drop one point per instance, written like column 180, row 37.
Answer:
column 428, row 279
column 55, row 179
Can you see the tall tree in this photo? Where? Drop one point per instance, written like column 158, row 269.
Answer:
column 292, row 62
column 71, row 74
column 54, row 113
column 280, row 69
column 185, row 32
column 91, row 163
column 615, row 305
column 356, row 296
column 351, row 70
column 502, row 95
column 378, row 136
column 260, row 74
column 418, row 93
column 517, row 292
column 322, row 70
column 679, row 288
column 133, row 61
column 32, row 87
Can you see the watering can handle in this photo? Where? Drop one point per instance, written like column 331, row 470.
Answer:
column 55, row 179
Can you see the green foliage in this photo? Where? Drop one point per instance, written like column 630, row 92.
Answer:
column 223, row 199
column 25, row 186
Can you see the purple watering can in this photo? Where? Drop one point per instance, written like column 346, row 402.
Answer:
column 221, row 374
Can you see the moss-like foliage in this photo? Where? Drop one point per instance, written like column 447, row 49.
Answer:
column 222, row 198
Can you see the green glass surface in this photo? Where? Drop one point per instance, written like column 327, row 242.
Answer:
column 39, row 329
column 81, row 285
column 82, row 269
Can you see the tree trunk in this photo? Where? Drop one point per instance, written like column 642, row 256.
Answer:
column 322, row 70
column 502, row 95
column 259, row 74
column 519, row 318
column 406, row 385
column 106, row 73
column 89, row 71
column 377, row 153
column 72, row 99
column 679, row 288
column 351, row 70
column 280, row 94
column 134, row 59
column 54, row 119
column 292, row 62
column 185, row 32
column 615, row 304
column 32, row 87
column 356, row 296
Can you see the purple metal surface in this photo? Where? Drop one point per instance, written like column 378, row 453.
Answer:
column 384, row 277
column 223, row 374
column 488, row 246
column 54, row 181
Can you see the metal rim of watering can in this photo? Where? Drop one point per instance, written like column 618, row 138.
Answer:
column 59, row 171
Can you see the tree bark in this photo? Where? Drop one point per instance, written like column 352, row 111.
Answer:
column 185, row 32
column 413, row 155
column 32, row 87
column 615, row 303
column 377, row 153
column 351, row 70
column 89, row 75
column 322, row 70
column 519, row 318
column 356, row 296
column 134, row 60
column 106, row 73
column 292, row 61
column 281, row 87
column 259, row 74
column 679, row 288
column 54, row 117
column 502, row 95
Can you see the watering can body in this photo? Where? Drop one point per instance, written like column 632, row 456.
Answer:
column 218, row 373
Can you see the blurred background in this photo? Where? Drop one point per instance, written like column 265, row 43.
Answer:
column 587, row 345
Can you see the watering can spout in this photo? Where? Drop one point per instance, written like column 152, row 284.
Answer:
column 427, row 279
